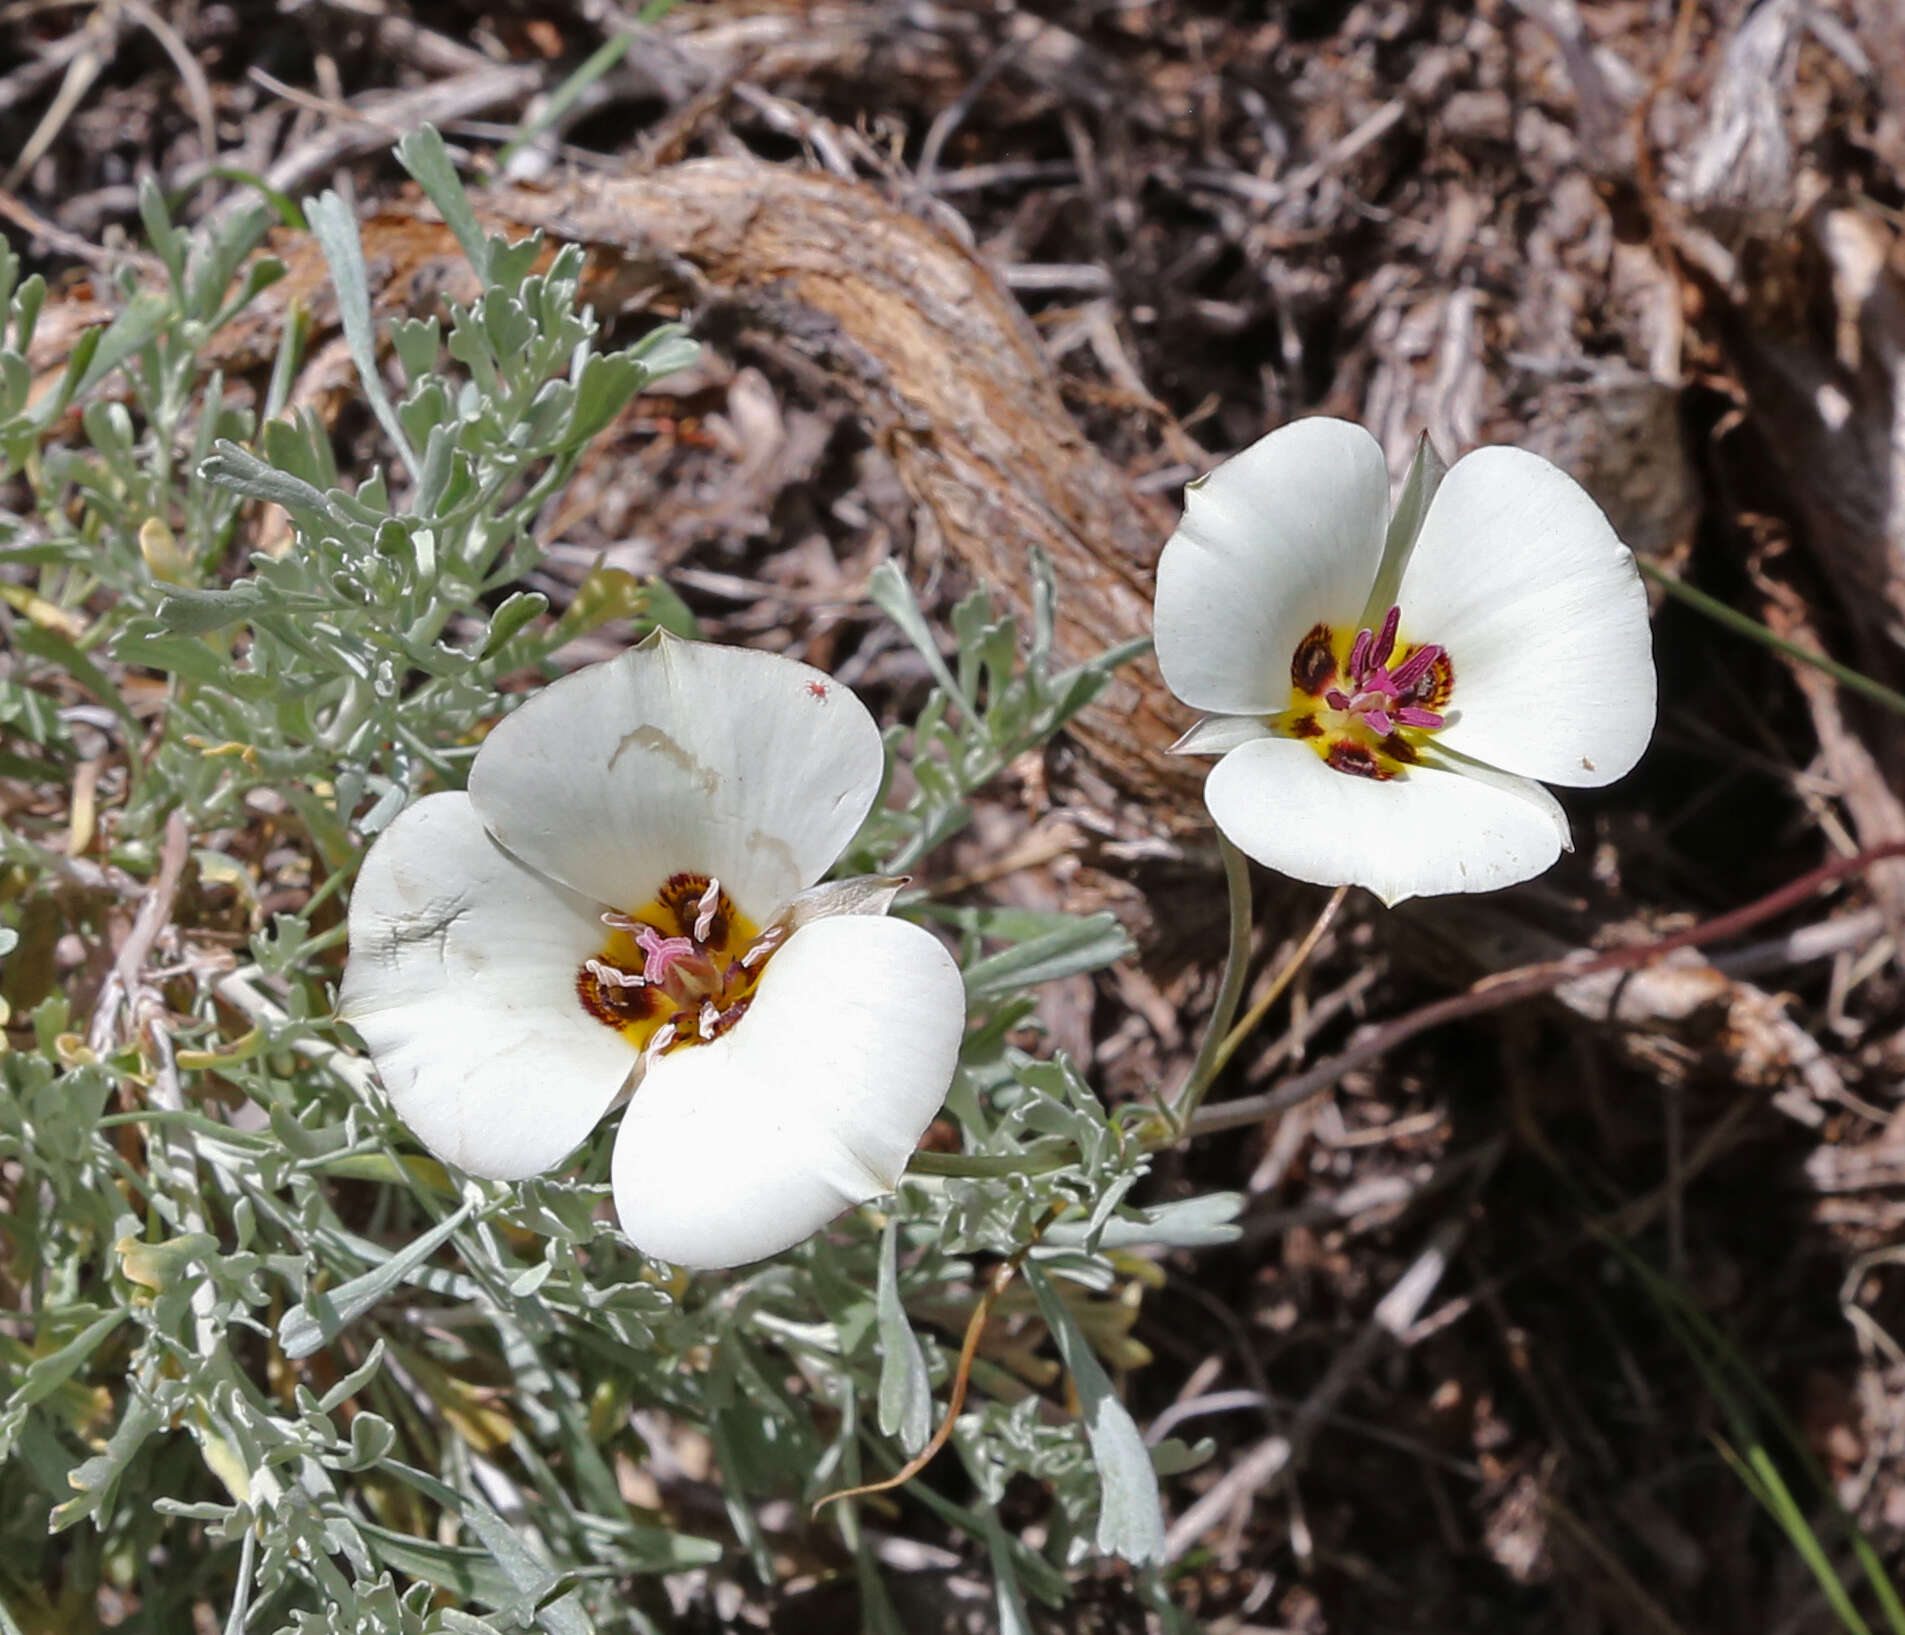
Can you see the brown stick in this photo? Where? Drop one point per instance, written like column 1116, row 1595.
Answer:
column 962, row 1374
column 1510, row 986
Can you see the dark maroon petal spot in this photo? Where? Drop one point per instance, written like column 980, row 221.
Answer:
column 612, row 1005
column 1306, row 726
column 1398, row 748
column 1358, row 760
column 1313, row 665
column 681, row 897
column 1431, row 689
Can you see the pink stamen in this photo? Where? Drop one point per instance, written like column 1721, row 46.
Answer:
column 1386, row 641
column 1381, row 698
column 1415, row 667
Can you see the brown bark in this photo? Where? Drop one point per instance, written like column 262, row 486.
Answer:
column 942, row 365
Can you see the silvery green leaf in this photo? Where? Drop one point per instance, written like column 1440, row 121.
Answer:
column 507, row 327
column 1185, row 1223
column 354, row 1381
column 1172, row 1457
column 1015, row 1617
column 602, row 391
column 296, row 447
column 134, row 329
column 260, row 275
column 438, row 449
column 372, row 1438
column 528, row 1282
column 229, row 466
column 166, row 240
column 45, row 1375
column 417, row 342
column 335, row 228
column 53, row 404
column 303, row 1330
column 906, row 1393
column 662, row 351
column 424, row 155
column 1088, row 943
column 27, row 301
column 16, row 381
column 190, row 612
column 888, row 588
column 1130, row 1516
column 94, row 1480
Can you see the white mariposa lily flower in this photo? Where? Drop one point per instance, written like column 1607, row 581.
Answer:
column 1385, row 692
column 626, row 898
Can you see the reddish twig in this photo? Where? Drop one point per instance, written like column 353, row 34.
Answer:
column 1510, row 986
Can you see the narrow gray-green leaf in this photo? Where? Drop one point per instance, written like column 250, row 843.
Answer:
column 1185, row 1223
column 1088, row 944
column 423, row 154
column 303, row 1330
column 894, row 597
column 335, row 229
column 906, row 1393
column 229, row 466
column 1130, row 1515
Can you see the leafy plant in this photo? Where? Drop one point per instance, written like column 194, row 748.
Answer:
column 265, row 1354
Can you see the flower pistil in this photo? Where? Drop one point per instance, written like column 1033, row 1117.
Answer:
column 680, row 971
column 1360, row 714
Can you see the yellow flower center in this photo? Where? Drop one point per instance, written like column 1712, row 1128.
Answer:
column 1363, row 701
column 679, row 971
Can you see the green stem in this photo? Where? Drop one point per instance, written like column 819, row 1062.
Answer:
column 1270, row 995
column 1720, row 613
column 1039, row 1160
column 1210, row 1053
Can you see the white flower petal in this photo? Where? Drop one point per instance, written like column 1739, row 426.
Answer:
column 1426, row 833
column 737, row 1149
column 682, row 756
column 1519, row 575
column 1219, row 734
column 1277, row 539
column 462, row 981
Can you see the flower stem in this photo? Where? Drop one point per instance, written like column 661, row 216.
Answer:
column 1733, row 619
column 1041, row 1159
column 1298, row 958
column 1178, row 1110
column 1526, row 982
